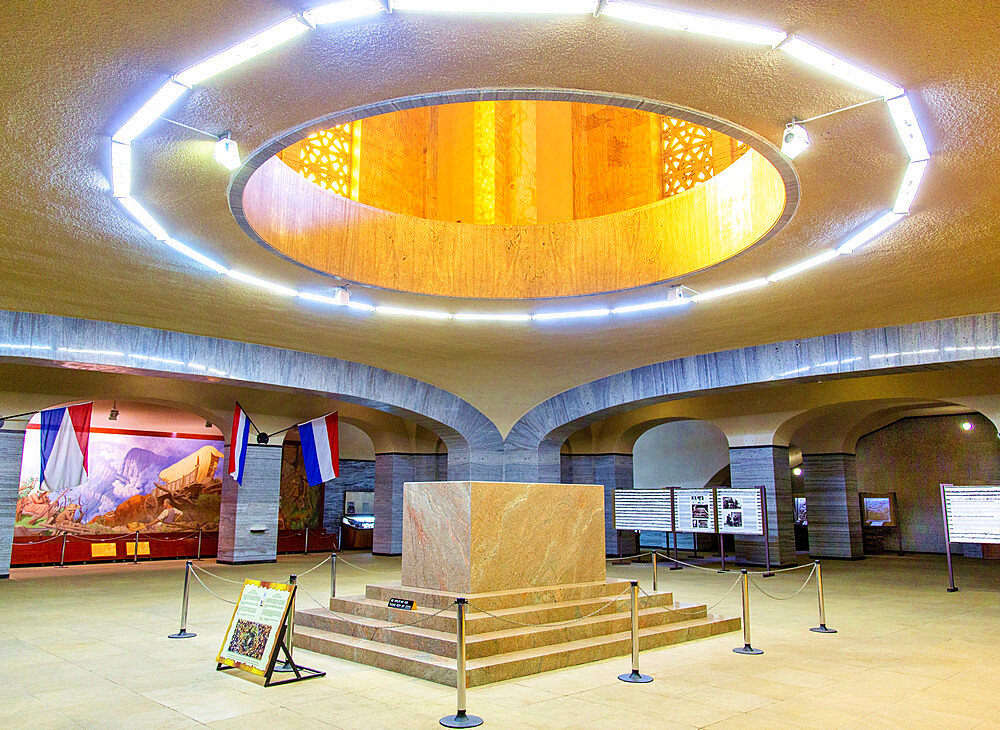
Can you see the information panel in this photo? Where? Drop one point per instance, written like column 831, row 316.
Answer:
column 694, row 510
column 252, row 637
column 740, row 511
column 642, row 509
column 973, row 513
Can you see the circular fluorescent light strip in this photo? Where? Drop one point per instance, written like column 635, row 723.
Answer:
column 899, row 109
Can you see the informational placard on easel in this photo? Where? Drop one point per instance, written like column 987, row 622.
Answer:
column 642, row 509
column 694, row 510
column 971, row 514
column 256, row 632
column 740, row 511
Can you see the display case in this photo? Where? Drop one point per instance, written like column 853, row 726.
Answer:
column 358, row 523
column 880, row 522
column 801, row 527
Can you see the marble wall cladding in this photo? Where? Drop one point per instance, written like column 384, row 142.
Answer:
column 11, row 446
column 355, row 475
column 474, row 443
column 531, row 449
column 248, row 518
column 831, row 490
column 518, row 535
column 767, row 466
column 391, row 472
column 614, row 471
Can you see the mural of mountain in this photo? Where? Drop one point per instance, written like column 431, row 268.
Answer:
column 138, row 461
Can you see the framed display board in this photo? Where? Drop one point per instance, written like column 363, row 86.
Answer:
column 878, row 510
column 972, row 514
column 642, row 509
column 740, row 511
column 257, row 631
column 694, row 510
column 801, row 516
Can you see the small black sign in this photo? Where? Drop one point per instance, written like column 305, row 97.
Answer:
column 401, row 603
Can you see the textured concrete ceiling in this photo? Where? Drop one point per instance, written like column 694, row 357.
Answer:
column 75, row 70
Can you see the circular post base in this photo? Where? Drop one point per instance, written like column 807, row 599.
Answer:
column 767, row 575
column 722, row 571
column 952, row 590
column 635, row 677
column 182, row 634
column 747, row 649
column 461, row 720
column 677, row 567
column 822, row 629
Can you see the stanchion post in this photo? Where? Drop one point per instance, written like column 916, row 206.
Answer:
column 460, row 718
column 333, row 575
column 183, row 633
column 947, row 541
column 767, row 534
column 746, row 648
column 62, row 553
column 821, row 629
column 635, row 677
column 199, row 544
column 305, row 550
column 655, row 584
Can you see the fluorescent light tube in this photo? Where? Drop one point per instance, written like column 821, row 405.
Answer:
column 752, row 284
column 340, row 299
column 149, row 112
column 794, row 141
column 361, row 306
column 572, row 315
column 844, row 70
column 803, row 265
column 227, row 153
column 493, row 317
column 425, row 313
column 645, row 306
column 907, row 127
column 341, row 11
column 500, row 7
column 121, row 169
column 243, row 51
column 700, row 24
column 882, row 224
column 908, row 188
column 192, row 254
column 270, row 285
column 145, row 219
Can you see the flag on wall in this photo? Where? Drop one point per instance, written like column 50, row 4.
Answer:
column 65, row 433
column 238, row 444
column 320, row 449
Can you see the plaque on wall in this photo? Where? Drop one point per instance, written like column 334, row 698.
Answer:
column 694, row 510
column 740, row 511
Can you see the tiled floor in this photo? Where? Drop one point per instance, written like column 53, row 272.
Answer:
column 86, row 646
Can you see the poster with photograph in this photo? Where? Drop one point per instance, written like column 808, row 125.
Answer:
column 642, row 509
column 694, row 510
column 877, row 510
column 973, row 513
column 740, row 511
column 252, row 637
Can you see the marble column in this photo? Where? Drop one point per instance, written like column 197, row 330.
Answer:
column 391, row 472
column 355, row 476
column 831, row 489
column 766, row 466
column 614, row 471
column 248, row 518
column 11, row 448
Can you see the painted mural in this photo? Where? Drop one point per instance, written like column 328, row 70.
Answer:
column 300, row 505
column 136, row 482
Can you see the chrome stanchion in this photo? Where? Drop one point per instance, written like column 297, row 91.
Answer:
column 460, row 718
column 634, row 677
column 655, row 588
column 746, row 648
column 288, row 666
column 183, row 633
column 305, row 550
column 333, row 575
column 62, row 553
column 821, row 629
column 199, row 544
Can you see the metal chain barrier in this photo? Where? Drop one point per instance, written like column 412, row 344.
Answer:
column 786, row 598
column 40, row 542
column 324, row 562
column 198, row 578
column 565, row 622
column 357, row 567
column 219, row 577
column 121, row 536
column 689, row 565
column 629, row 557
column 697, row 610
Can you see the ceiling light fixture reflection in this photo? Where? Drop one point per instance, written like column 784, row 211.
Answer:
column 835, row 66
column 576, row 314
column 880, row 225
column 908, row 188
column 646, row 306
column 907, row 127
column 700, row 24
column 491, row 317
column 803, row 265
column 341, row 11
column 425, row 313
column 149, row 112
column 341, row 297
column 752, row 284
column 262, row 283
column 499, row 7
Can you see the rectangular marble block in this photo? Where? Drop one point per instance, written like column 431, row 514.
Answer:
column 477, row 537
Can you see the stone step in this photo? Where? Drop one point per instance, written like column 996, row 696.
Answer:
column 498, row 667
column 435, row 599
column 511, row 637
column 477, row 622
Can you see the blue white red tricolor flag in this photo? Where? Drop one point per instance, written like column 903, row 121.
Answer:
column 65, row 433
column 320, row 449
column 238, row 444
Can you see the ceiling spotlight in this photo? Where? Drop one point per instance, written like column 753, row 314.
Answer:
column 794, row 141
column 966, row 425
column 208, row 424
column 797, row 471
column 113, row 415
column 227, row 153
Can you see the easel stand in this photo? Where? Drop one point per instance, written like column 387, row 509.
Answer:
column 301, row 673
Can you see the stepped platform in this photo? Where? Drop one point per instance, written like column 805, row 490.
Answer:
column 504, row 640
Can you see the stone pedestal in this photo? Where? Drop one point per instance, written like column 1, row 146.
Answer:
column 480, row 537
column 248, row 516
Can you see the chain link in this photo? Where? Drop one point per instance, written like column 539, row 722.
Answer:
column 786, row 598
column 357, row 567
column 629, row 557
column 698, row 610
column 198, row 578
column 219, row 577
column 324, row 562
